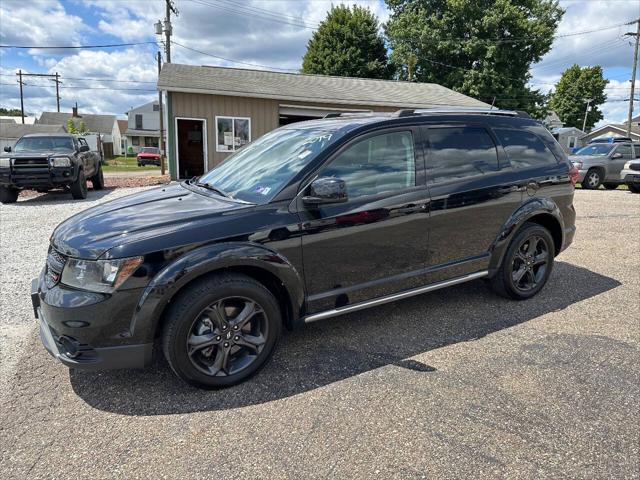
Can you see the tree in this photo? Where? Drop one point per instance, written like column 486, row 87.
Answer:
column 71, row 128
column 576, row 86
column 482, row 48
column 347, row 43
column 82, row 128
column 10, row 112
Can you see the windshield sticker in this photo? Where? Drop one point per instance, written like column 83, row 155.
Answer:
column 263, row 190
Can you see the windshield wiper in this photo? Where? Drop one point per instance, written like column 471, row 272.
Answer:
column 208, row 186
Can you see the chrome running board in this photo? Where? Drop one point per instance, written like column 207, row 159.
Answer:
column 393, row 297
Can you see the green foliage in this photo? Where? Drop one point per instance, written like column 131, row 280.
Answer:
column 482, row 48
column 347, row 44
column 71, row 127
column 10, row 112
column 576, row 86
column 82, row 128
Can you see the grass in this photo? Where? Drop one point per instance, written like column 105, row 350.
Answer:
column 128, row 164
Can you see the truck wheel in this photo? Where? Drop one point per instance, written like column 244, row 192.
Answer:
column 221, row 330
column 79, row 187
column 527, row 264
column 610, row 186
column 634, row 188
column 9, row 194
column 98, row 179
column 592, row 179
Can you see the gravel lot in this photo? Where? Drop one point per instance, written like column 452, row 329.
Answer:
column 456, row 383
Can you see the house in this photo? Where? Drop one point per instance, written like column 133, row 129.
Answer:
column 18, row 119
column 568, row 137
column 614, row 130
column 143, row 128
column 213, row 111
column 105, row 125
column 552, row 121
column 122, row 128
column 11, row 132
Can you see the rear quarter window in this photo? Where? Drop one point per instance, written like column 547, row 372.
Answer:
column 525, row 149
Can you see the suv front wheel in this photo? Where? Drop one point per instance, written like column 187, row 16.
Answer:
column 221, row 330
column 79, row 187
column 9, row 194
column 592, row 180
column 527, row 264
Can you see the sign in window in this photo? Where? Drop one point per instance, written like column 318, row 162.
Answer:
column 232, row 133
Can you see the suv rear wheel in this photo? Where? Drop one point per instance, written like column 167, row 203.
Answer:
column 79, row 187
column 9, row 194
column 592, row 179
column 221, row 330
column 527, row 264
column 610, row 186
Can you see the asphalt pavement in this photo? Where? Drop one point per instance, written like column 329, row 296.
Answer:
column 458, row 383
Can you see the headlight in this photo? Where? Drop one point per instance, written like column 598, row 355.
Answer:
column 61, row 162
column 627, row 166
column 99, row 275
column 5, row 162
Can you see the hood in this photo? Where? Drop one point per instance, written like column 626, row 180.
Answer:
column 588, row 158
column 37, row 153
column 150, row 214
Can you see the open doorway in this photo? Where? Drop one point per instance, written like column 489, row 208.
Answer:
column 191, row 146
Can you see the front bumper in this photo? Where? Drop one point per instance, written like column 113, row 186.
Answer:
column 45, row 177
column 92, row 335
column 632, row 178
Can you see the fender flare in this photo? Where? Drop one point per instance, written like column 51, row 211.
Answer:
column 201, row 261
column 531, row 208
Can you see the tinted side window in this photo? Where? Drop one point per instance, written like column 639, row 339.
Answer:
column 625, row 150
column 459, row 152
column 375, row 165
column 525, row 149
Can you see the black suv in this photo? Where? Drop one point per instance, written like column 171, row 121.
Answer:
column 312, row 220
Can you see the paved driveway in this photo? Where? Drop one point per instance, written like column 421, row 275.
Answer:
column 456, row 383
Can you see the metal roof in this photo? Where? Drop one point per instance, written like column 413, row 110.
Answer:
column 17, row 130
column 308, row 88
column 93, row 123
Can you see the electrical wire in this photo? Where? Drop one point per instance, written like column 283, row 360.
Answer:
column 68, row 47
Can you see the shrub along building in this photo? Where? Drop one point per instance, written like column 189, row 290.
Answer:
column 213, row 111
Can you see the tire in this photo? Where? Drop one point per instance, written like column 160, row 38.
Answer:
column 592, row 180
column 610, row 186
column 98, row 179
column 9, row 194
column 634, row 188
column 517, row 258
column 139, row 164
column 79, row 187
column 203, row 310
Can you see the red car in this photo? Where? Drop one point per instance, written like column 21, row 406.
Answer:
column 149, row 155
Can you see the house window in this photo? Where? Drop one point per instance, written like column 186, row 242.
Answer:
column 150, row 142
column 232, row 133
column 135, row 141
column 156, row 107
column 571, row 142
column 138, row 121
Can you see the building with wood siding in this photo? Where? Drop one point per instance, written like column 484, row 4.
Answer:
column 213, row 111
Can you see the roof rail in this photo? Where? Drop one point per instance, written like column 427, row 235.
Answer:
column 479, row 110
column 332, row 115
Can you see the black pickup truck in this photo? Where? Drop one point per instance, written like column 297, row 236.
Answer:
column 45, row 161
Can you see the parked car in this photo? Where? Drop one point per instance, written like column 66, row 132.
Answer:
column 601, row 163
column 41, row 162
column 148, row 155
column 312, row 220
column 631, row 175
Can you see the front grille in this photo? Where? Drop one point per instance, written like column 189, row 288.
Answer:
column 31, row 171
column 55, row 264
column 36, row 162
column 635, row 166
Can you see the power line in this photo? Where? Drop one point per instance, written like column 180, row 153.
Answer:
column 81, row 87
column 68, row 47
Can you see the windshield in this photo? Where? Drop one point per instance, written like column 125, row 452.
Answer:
column 149, row 150
column 259, row 170
column 45, row 144
column 596, row 149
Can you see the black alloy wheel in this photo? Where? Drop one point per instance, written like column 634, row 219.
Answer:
column 526, row 265
column 227, row 336
column 79, row 187
column 220, row 330
column 529, row 264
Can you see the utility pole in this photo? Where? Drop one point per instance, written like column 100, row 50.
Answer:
column 633, row 75
column 21, row 96
column 165, row 27
column 58, row 82
column 586, row 111
column 160, row 111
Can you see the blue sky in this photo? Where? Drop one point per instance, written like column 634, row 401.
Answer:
column 273, row 33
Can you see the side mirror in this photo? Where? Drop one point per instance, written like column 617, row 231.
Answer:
column 615, row 156
column 84, row 148
column 326, row 190
column 7, row 148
